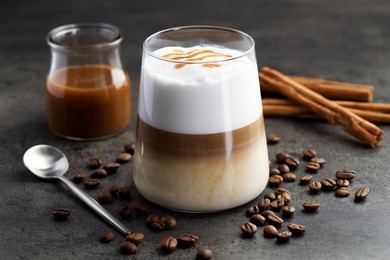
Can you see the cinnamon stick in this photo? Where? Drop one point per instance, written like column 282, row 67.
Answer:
column 330, row 89
column 353, row 124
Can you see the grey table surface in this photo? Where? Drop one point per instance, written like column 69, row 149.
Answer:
column 336, row 39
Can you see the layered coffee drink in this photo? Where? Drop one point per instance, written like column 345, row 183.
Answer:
column 201, row 143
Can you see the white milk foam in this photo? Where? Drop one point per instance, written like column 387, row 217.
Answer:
column 199, row 98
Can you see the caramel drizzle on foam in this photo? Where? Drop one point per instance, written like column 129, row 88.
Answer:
column 195, row 55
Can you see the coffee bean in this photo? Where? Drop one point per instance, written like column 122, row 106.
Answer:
column 312, row 166
column 135, row 237
column 311, row 206
column 158, row 225
column 267, row 213
column 288, row 211
column 270, row 195
column 129, row 148
column 342, row 183
column 306, row 178
column 128, row 248
column 289, row 177
column 315, row 186
column 169, row 244
column 345, row 174
column 123, row 157
column 281, row 157
column 78, row 177
column 252, row 210
column 342, row 192
column 275, row 220
column 328, row 184
column 361, row 193
column 125, row 212
column 281, row 190
column 105, row 197
column 321, row 161
column 187, row 240
column 263, row 205
column 283, row 168
column 275, row 180
column 141, row 209
column 286, row 197
column 91, row 183
column 274, row 206
column 152, row 218
column 248, row 229
column 61, row 213
column 111, row 168
column 106, row 237
column 98, row 173
column 258, row 220
column 293, row 163
column 270, row 231
column 94, row 163
column 113, row 189
column 296, row 229
column 169, row 222
column 273, row 138
column 124, row 193
column 284, row 236
column 309, row 153
column 204, row 254
column 274, row 171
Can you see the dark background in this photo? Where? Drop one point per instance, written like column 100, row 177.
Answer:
column 336, row 39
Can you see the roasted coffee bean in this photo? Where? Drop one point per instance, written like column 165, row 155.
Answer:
column 328, row 184
column 289, row 177
column 306, row 178
column 342, row 192
column 187, row 240
column 270, row 231
column 125, row 212
column 98, row 173
column 361, row 193
column 284, row 236
column 342, row 183
column 128, row 248
column 78, row 177
column 345, row 174
column 288, row 211
column 106, row 237
column 135, row 237
column 152, row 218
column 270, row 195
column 61, row 213
column 252, row 210
column 267, row 213
column 274, row 171
column 91, row 183
column 311, row 206
column 309, row 153
column 169, row 222
column 273, row 138
column 281, row 190
column 292, row 162
column 123, row 157
column 124, row 193
column 286, row 197
column 312, row 166
column 275, row 180
column 315, row 186
column 169, row 244
column 129, row 148
column 263, row 205
column 204, row 254
column 141, row 209
column 111, row 168
column 258, row 220
column 283, row 168
column 94, row 163
column 321, row 161
column 296, row 229
column 113, row 190
column 248, row 229
column 158, row 225
column 275, row 220
column 281, row 157
column 105, row 197
column 274, row 206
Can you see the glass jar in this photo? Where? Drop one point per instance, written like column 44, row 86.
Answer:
column 87, row 88
column 201, row 142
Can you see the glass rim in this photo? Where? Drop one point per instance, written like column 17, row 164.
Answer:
column 79, row 26
column 210, row 27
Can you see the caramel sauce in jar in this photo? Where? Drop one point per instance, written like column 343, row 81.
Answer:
column 88, row 101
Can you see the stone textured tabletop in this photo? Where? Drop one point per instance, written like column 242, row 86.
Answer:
column 336, row 39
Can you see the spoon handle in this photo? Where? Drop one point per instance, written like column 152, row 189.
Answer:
column 93, row 204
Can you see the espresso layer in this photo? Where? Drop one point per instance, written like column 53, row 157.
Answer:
column 168, row 140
